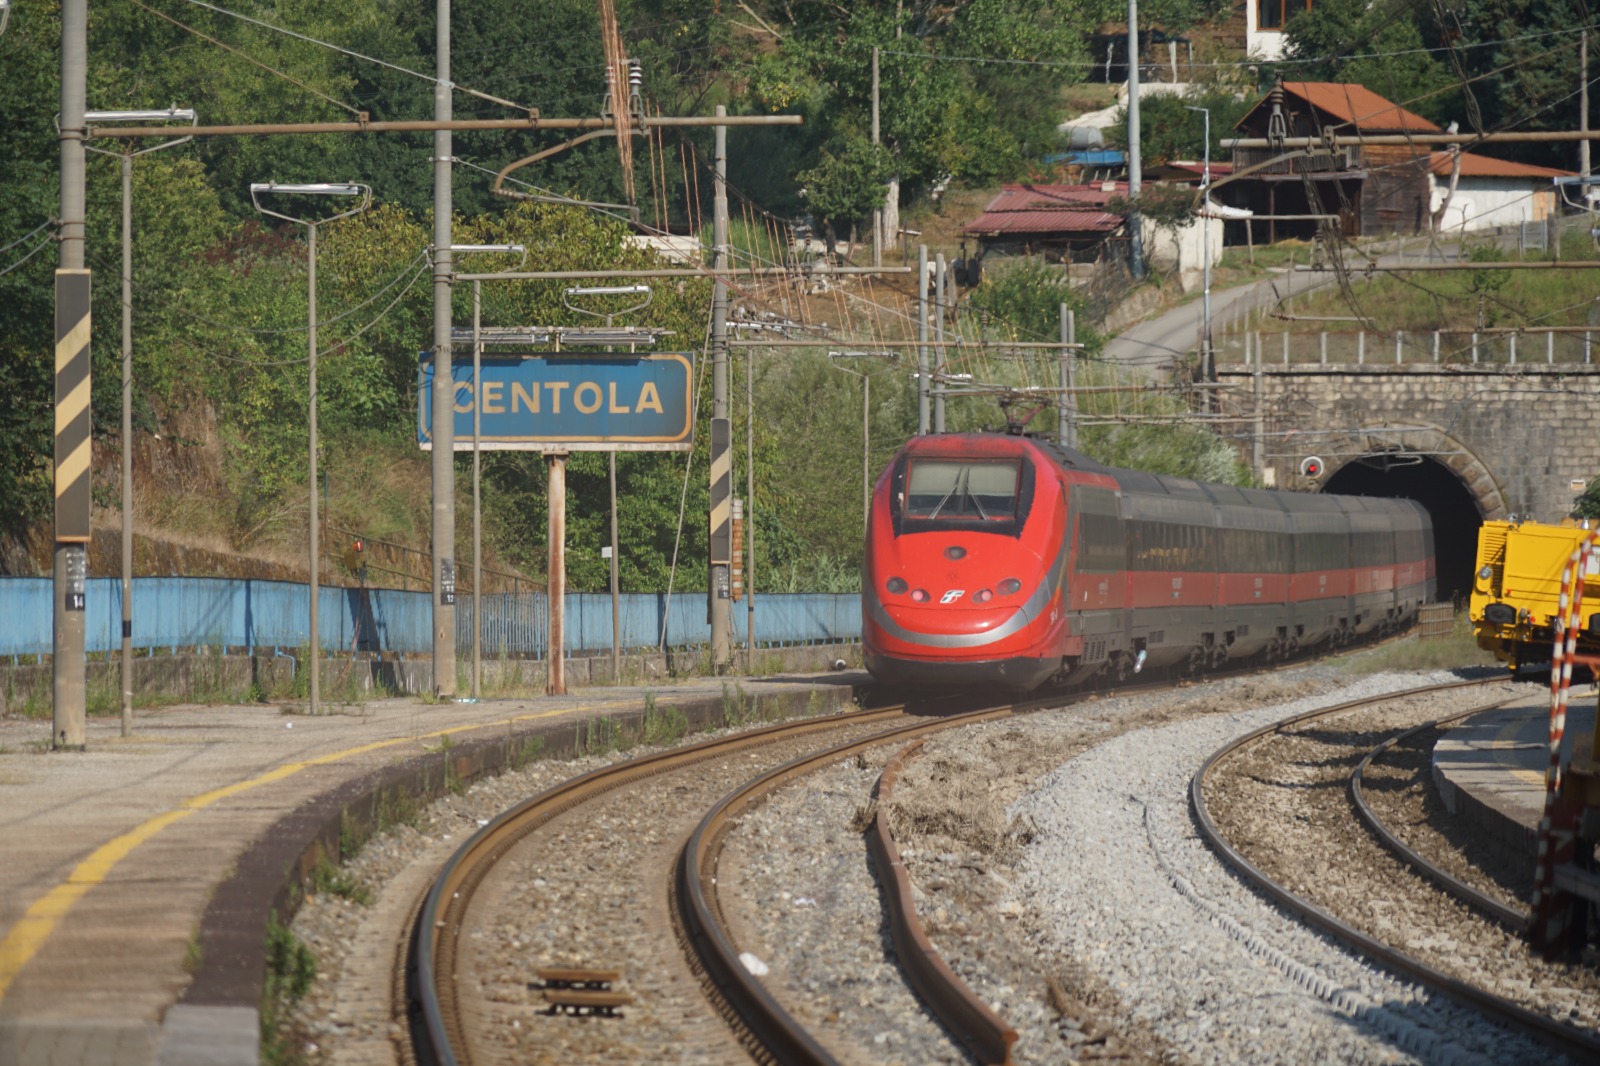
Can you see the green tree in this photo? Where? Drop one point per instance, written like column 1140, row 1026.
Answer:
column 1587, row 503
column 940, row 116
column 1379, row 45
column 1168, row 131
column 845, row 185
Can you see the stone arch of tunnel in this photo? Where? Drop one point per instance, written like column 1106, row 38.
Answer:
column 1456, row 512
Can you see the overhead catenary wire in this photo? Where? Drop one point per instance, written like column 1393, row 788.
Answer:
column 429, row 78
column 275, row 72
column 41, row 245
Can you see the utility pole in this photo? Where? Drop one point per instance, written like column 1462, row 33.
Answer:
column 72, row 424
column 1583, row 109
column 939, row 280
column 922, row 339
column 1208, row 369
column 1135, row 173
column 720, row 614
column 877, row 215
column 444, row 445
column 1067, row 430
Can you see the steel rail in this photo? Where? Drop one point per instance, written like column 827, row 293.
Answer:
column 1564, row 1038
column 1508, row 917
column 436, row 1030
column 777, row 1036
column 988, row 1036
column 438, row 1034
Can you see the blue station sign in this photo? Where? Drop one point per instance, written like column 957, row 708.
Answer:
column 556, row 402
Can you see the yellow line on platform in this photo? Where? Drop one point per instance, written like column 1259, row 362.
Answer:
column 1506, row 745
column 24, row 939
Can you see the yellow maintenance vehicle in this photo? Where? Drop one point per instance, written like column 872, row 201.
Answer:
column 1516, row 589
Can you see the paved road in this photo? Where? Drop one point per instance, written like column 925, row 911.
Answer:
column 1155, row 344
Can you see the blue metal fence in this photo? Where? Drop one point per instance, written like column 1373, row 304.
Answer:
column 182, row 612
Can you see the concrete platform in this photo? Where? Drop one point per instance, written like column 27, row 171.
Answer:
column 137, row 878
column 1490, row 769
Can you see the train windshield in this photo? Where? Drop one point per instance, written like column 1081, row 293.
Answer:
column 983, row 490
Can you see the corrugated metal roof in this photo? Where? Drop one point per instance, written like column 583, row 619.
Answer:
column 1358, row 105
column 1483, row 166
column 1051, row 209
column 1054, row 221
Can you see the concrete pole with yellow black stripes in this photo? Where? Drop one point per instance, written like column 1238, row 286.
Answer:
column 721, row 608
column 72, row 450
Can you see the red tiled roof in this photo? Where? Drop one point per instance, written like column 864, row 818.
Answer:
column 1051, row 209
column 1482, row 166
column 1357, row 106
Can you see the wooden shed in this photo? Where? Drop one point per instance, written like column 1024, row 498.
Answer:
column 1370, row 188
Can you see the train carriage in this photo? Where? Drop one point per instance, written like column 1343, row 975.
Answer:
column 1001, row 559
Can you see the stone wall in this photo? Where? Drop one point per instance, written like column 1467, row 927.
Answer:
column 1516, row 436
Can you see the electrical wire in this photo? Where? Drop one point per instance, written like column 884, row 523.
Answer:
column 1243, row 64
column 431, row 79
column 246, row 57
column 44, row 243
column 46, row 224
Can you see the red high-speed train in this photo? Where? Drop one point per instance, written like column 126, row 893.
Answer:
column 998, row 559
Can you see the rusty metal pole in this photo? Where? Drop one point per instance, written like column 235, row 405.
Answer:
column 557, row 576
column 616, row 611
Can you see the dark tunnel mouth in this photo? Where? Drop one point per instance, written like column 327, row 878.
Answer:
column 1455, row 512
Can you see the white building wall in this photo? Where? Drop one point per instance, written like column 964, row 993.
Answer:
column 1261, row 44
column 1482, row 203
column 1183, row 250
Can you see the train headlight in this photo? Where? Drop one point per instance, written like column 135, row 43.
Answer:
column 1486, row 573
column 896, row 585
column 919, row 596
column 954, row 552
column 1009, row 587
column 982, row 596
column 1500, row 614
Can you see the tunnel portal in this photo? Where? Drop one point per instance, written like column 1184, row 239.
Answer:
column 1455, row 513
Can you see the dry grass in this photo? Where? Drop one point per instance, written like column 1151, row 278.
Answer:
column 1084, row 97
column 958, row 800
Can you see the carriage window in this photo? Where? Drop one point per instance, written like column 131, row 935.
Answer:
column 963, row 489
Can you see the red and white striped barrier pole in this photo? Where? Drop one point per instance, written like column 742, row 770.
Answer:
column 1549, row 914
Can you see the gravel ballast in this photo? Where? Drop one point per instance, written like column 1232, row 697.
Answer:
column 1056, row 867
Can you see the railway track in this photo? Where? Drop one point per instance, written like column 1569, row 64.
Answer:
column 1379, row 899
column 456, row 1006
column 448, row 1009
